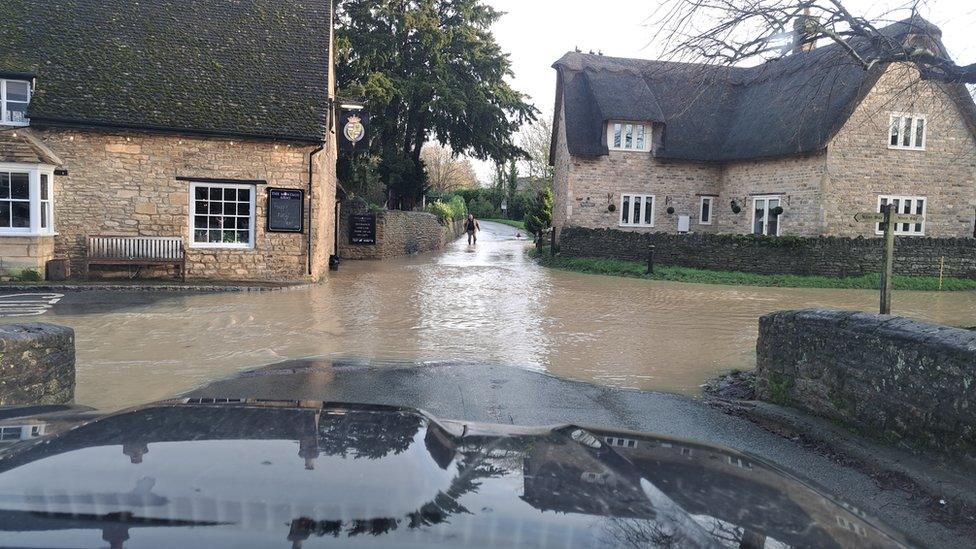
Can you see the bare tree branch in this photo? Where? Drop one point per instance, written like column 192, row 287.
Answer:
column 732, row 32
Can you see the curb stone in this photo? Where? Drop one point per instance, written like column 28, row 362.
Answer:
column 153, row 287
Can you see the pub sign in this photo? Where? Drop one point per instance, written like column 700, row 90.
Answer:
column 362, row 229
column 286, row 210
column 353, row 128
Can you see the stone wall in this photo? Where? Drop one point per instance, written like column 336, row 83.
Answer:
column 397, row 233
column 860, row 165
column 799, row 182
column 902, row 380
column 37, row 364
column 825, row 256
column 133, row 184
column 25, row 252
column 561, row 161
column 592, row 184
column 819, row 193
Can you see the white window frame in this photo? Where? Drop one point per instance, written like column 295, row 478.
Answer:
column 611, row 134
column 913, row 118
column 766, row 214
column 33, row 172
column 899, row 227
column 701, row 210
column 194, row 185
column 4, row 121
column 645, row 199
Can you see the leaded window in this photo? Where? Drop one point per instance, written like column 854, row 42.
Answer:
column 222, row 215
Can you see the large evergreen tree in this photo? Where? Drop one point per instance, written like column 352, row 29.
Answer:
column 428, row 69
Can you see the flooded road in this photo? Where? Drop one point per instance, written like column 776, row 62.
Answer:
column 488, row 304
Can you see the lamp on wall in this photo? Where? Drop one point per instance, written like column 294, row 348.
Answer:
column 736, row 208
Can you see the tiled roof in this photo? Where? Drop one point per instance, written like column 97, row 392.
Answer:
column 789, row 106
column 237, row 67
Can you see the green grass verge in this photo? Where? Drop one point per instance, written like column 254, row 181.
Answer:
column 634, row 269
column 509, row 222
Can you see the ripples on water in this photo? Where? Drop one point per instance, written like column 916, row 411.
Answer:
column 487, row 303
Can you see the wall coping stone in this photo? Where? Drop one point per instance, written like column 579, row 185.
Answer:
column 37, row 364
column 903, row 380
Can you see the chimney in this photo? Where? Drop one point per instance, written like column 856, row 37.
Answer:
column 804, row 31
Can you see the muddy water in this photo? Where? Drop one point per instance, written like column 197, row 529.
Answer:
column 487, row 303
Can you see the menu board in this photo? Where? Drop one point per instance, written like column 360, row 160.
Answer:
column 286, row 210
column 362, row 229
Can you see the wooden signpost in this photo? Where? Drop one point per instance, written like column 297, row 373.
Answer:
column 888, row 217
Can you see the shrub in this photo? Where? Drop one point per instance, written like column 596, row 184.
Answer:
column 29, row 275
column 538, row 218
column 482, row 208
column 449, row 210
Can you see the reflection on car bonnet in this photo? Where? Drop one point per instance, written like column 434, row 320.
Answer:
column 267, row 472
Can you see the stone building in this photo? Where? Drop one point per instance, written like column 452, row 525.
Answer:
column 169, row 119
column 794, row 146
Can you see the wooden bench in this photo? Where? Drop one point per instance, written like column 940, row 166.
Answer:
column 137, row 250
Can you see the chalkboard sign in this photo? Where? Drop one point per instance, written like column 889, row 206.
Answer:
column 362, row 229
column 286, row 210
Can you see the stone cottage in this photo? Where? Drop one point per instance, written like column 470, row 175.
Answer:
column 169, row 119
column 794, row 146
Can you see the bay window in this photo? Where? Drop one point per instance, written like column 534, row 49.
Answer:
column 907, row 131
column 14, row 98
column 765, row 220
column 637, row 210
column 26, row 200
column 221, row 215
column 903, row 205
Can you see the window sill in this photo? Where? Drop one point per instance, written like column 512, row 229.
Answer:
column 15, row 124
column 896, row 148
column 219, row 247
column 622, row 226
column 704, row 222
column 26, row 233
column 611, row 149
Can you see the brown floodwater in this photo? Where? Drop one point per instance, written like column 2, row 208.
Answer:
column 488, row 303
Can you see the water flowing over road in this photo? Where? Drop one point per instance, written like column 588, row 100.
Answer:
column 488, row 303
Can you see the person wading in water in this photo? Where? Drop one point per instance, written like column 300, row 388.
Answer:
column 472, row 226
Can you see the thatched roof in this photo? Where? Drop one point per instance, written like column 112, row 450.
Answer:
column 788, row 106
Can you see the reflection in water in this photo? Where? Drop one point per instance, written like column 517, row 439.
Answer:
column 488, row 303
column 273, row 473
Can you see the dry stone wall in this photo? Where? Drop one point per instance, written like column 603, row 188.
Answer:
column 823, row 256
column 37, row 364
column 398, row 233
column 902, row 380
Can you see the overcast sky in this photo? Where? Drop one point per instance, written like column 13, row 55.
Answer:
column 538, row 32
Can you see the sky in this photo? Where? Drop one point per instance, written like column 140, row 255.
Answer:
column 535, row 33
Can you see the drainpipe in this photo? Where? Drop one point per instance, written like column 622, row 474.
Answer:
column 334, row 260
column 311, row 157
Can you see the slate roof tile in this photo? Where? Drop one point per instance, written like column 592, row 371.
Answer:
column 242, row 67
